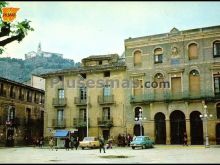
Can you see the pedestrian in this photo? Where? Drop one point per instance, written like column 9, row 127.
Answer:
column 185, row 139
column 109, row 145
column 101, row 144
column 67, row 143
column 41, row 142
column 51, row 144
column 76, row 142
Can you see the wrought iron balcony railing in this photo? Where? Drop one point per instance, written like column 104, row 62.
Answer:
column 59, row 102
column 106, row 99
column 168, row 96
column 80, row 122
column 59, row 123
column 79, row 101
column 105, row 122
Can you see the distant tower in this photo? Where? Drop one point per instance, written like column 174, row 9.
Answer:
column 39, row 49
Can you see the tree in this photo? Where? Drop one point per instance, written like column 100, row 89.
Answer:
column 12, row 31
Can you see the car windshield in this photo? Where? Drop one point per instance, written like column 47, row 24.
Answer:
column 88, row 139
column 138, row 138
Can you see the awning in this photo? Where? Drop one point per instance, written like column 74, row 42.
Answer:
column 61, row 133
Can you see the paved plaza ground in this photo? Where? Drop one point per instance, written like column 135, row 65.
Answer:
column 159, row 154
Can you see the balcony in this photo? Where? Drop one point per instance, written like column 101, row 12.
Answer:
column 59, row 123
column 59, row 102
column 79, row 101
column 21, row 97
column 80, row 122
column 105, row 122
column 106, row 99
column 167, row 96
column 3, row 93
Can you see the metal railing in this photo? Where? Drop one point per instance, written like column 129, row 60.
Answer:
column 106, row 99
column 80, row 122
column 59, row 123
column 79, row 101
column 105, row 122
column 59, row 101
column 168, row 96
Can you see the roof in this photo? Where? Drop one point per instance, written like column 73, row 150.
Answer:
column 85, row 69
column 61, row 133
column 175, row 30
column 97, row 57
column 20, row 84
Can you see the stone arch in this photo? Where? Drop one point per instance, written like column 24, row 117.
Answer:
column 160, row 128
column 196, row 128
column 177, row 126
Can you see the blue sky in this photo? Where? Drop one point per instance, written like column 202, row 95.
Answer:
column 80, row 29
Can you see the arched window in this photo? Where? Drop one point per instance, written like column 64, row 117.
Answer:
column 137, row 58
column 216, row 49
column 218, row 111
column 158, row 55
column 194, row 82
column 193, row 51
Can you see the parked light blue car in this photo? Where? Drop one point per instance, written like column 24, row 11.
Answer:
column 142, row 141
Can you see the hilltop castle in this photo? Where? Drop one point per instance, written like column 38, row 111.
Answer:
column 40, row 53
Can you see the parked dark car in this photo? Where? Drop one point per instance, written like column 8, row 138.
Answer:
column 142, row 141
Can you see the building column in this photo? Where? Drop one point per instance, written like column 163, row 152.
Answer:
column 188, row 131
column 167, row 131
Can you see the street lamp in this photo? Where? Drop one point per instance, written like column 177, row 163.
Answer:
column 205, row 118
column 87, row 108
column 140, row 119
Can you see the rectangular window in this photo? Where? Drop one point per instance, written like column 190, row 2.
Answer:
column 107, row 74
column 82, row 114
column 217, row 49
column 107, row 90
column 218, row 112
column 158, row 58
column 106, row 113
column 83, row 93
column 11, row 113
column 60, row 117
column 61, row 93
column 217, row 85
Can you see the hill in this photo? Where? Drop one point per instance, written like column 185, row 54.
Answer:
column 21, row 70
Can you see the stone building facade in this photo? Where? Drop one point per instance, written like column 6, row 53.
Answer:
column 175, row 82
column 73, row 94
column 178, row 75
column 21, row 113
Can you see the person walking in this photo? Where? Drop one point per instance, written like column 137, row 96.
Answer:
column 185, row 139
column 76, row 142
column 67, row 143
column 101, row 144
column 51, row 144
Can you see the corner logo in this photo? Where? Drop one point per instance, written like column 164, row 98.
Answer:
column 9, row 13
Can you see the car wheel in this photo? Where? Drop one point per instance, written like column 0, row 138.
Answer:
column 82, row 148
column 133, row 148
column 142, row 147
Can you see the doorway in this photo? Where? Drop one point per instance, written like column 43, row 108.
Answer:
column 160, row 128
column 177, row 126
column 196, row 128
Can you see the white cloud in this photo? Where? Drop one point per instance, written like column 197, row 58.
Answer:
column 80, row 29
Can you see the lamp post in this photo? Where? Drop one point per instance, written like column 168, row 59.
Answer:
column 87, row 112
column 87, row 107
column 140, row 119
column 205, row 118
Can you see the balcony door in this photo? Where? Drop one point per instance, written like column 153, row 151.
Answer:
column 176, row 87
column 83, row 94
column 106, row 93
column 60, row 117
column 106, row 113
column 60, row 96
column 82, row 115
